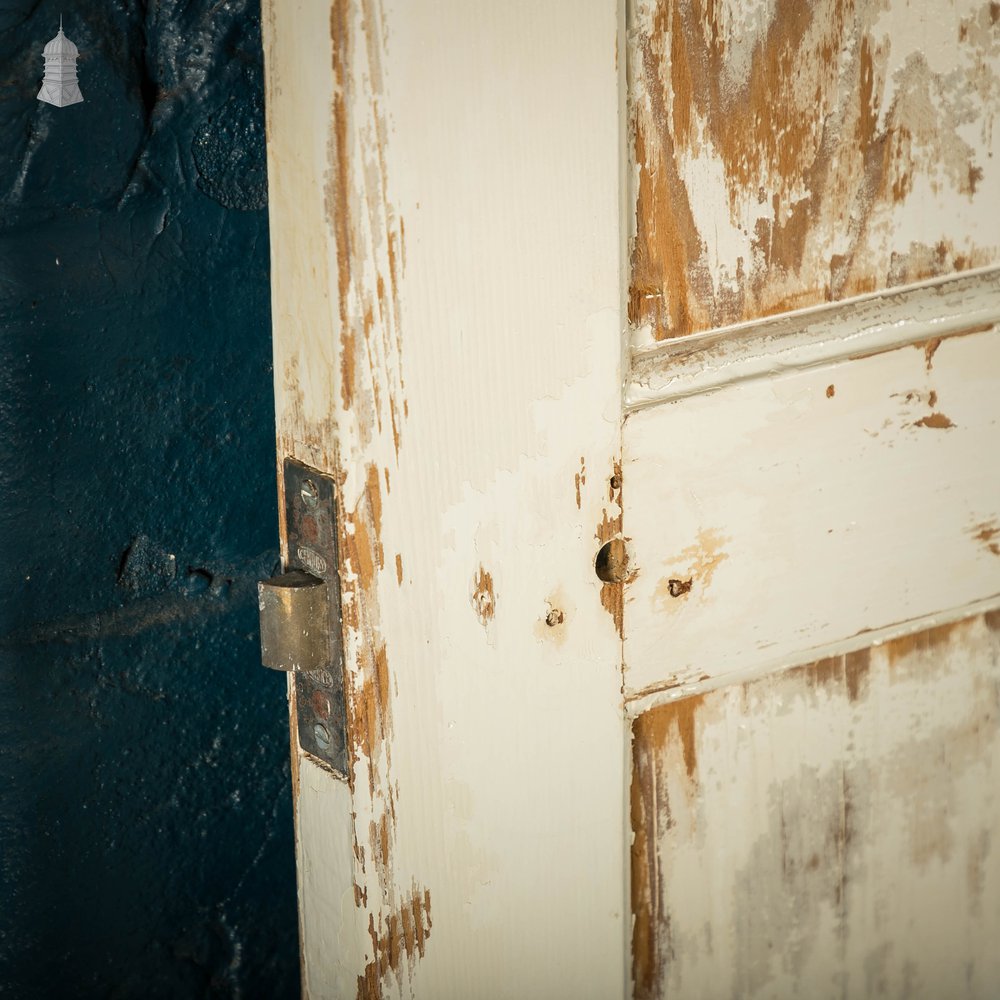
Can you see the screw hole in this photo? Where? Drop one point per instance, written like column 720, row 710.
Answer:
column 679, row 587
column 612, row 561
column 553, row 618
column 616, row 482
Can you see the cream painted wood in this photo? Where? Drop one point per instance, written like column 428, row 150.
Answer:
column 448, row 214
column 778, row 516
column 806, row 483
column 788, row 153
column 827, row 831
column 813, row 337
column 327, row 908
column 447, row 299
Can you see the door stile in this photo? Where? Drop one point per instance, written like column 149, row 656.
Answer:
column 445, row 188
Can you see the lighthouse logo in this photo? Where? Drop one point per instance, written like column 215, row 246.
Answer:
column 59, row 86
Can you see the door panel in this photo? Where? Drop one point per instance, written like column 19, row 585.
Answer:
column 826, row 831
column 809, row 471
column 791, row 153
column 801, row 509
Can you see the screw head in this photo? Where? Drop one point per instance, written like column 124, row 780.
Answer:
column 322, row 736
column 309, row 493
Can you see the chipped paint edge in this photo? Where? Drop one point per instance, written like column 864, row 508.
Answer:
column 638, row 702
column 809, row 338
column 667, row 741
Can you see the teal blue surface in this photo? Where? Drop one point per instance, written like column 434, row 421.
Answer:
column 146, row 842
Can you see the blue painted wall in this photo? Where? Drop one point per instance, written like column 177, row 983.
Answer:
column 146, row 845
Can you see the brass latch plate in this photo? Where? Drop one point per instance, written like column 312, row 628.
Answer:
column 310, row 515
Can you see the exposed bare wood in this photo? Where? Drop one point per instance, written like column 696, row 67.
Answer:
column 526, row 556
column 790, row 153
column 447, row 313
column 820, row 336
column 804, row 516
column 825, row 831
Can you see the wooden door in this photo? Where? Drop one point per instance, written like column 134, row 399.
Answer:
column 652, row 355
column 812, row 647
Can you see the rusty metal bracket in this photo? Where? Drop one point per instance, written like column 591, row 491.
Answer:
column 307, row 625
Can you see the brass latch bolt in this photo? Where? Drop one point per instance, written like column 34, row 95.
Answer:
column 295, row 622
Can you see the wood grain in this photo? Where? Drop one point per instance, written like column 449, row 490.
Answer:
column 447, row 340
column 788, row 153
column 861, row 327
column 809, row 507
column 826, row 831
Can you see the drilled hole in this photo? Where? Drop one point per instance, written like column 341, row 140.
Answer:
column 612, row 561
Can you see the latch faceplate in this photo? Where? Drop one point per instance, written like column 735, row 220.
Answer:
column 301, row 618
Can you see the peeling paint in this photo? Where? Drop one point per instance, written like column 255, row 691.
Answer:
column 835, row 674
column 400, row 937
column 936, row 421
column 788, row 154
column 357, row 437
column 367, row 229
column 930, row 349
column 609, row 531
column 805, row 485
column 988, row 534
column 483, row 598
column 422, row 724
column 700, row 561
column 863, row 841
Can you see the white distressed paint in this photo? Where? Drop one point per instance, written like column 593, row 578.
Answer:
column 658, row 695
column 831, row 831
column 331, row 934
column 491, row 775
column 812, row 337
column 803, row 518
column 786, row 155
column 501, row 779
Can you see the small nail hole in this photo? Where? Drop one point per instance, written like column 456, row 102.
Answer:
column 553, row 618
column 616, row 482
column 677, row 588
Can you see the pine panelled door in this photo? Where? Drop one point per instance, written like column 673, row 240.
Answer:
column 651, row 349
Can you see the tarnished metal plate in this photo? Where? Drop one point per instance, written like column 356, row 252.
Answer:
column 311, row 529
